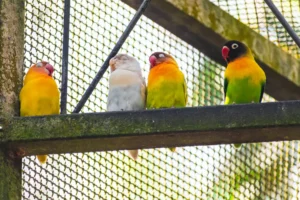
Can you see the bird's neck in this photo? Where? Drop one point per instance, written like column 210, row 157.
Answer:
column 32, row 75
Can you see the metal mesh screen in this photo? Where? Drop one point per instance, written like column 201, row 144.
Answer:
column 257, row 15
column 256, row 171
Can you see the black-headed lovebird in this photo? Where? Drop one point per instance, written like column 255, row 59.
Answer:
column 244, row 78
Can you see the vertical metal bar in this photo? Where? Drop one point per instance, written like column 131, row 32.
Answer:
column 11, row 70
column 65, row 56
column 114, row 51
column 284, row 23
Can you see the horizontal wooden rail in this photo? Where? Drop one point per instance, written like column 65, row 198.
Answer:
column 155, row 128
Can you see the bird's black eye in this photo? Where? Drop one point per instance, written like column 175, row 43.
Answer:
column 161, row 55
column 234, row 46
column 39, row 64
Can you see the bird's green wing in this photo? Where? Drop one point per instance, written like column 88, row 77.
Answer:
column 225, row 86
column 185, row 90
column 262, row 91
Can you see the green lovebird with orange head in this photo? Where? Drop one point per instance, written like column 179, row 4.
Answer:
column 244, row 78
column 166, row 84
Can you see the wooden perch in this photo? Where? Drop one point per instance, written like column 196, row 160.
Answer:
column 155, row 128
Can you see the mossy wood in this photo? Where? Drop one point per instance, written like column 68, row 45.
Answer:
column 11, row 63
column 154, row 128
column 206, row 27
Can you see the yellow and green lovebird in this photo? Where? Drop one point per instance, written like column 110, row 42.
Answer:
column 244, row 79
column 40, row 94
column 166, row 84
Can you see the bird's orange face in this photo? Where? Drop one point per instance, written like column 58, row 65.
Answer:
column 158, row 58
column 43, row 67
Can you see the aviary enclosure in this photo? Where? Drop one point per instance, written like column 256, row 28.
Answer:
column 87, row 158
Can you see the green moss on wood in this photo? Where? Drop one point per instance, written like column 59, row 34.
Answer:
column 11, row 62
column 10, row 177
column 169, row 120
column 163, row 128
column 11, row 55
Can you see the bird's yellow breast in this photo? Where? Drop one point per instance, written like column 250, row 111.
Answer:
column 164, row 72
column 39, row 96
column 245, row 68
column 166, row 87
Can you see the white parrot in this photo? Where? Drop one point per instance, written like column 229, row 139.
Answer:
column 127, row 87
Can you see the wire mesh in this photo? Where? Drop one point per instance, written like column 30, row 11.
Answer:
column 257, row 15
column 256, row 171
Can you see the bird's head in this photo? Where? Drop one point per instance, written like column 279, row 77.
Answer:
column 124, row 61
column 43, row 67
column 234, row 49
column 160, row 57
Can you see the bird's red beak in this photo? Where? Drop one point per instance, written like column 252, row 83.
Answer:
column 152, row 61
column 225, row 52
column 50, row 69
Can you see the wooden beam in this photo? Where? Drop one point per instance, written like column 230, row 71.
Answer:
column 11, row 55
column 10, row 176
column 11, row 68
column 206, row 27
column 154, row 128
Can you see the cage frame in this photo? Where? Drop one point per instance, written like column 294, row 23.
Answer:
column 201, row 125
